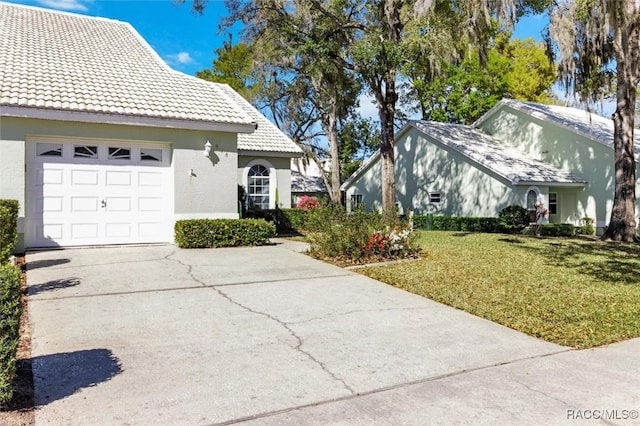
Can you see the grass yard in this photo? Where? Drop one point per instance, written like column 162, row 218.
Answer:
column 573, row 292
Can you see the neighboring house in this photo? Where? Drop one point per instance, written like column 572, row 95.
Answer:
column 306, row 179
column 517, row 153
column 102, row 143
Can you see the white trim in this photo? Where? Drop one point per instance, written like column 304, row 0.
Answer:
column 273, row 179
column 129, row 120
column 187, row 216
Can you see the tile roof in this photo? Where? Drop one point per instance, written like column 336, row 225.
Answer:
column 489, row 152
column 67, row 63
column 306, row 177
column 267, row 137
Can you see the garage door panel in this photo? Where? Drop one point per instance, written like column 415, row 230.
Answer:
column 51, row 231
column 84, row 204
column 118, row 204
column 84, row 231
column 120, row 178
column 84, row 177
column 118, row 230
column 150, row 179
column 98, row 200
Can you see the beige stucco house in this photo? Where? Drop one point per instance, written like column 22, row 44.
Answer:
column 102, row 143
column 517, row 153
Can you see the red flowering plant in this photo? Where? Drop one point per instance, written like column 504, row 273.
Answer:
column 392, row 243
column 307, row 203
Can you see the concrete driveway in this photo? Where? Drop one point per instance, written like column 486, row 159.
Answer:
column 156, row 335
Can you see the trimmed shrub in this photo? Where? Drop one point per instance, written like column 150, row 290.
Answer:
column 276, row 216
column 8, row 228
column 296, row 218
column 321, row 218
column 10, row 311
column 557, row 230
column 208, row 233
column 514, row 219
column 587, row 227
column 454, row 223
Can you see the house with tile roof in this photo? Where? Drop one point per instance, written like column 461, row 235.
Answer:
column 517, row 153
column 102, row 143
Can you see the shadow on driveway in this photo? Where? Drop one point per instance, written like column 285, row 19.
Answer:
column 35, row 264
column 32, row 290
column 57, row 376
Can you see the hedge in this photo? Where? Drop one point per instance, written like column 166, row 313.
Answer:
column 287, row 221
column 207, row 233
column 10, row 311
column 557, row 230
column 8, row 228
column 455, row 223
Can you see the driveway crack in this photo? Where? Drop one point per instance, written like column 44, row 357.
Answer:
column 300, row 342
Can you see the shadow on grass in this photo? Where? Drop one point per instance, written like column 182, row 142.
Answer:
column 57, row 376
column 32, row 290
column 617, row 263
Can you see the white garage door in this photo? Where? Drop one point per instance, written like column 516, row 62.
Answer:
column 88, row 193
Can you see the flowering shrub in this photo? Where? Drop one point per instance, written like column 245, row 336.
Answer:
column 307, row 203
column 362, row 237
column 391, row 244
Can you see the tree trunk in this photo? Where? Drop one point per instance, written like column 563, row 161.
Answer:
column 622, row 225
column 331, row 129
column 387, row 155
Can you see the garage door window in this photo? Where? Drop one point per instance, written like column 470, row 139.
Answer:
column 150, row 154
column 85, row 151
column 116, row 153
column 49, row 149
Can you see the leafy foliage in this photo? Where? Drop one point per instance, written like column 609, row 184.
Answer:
column 208, row 233
column 514, row 218
column 455, row 223
column 8, row 228
column 360, row 237
column 10, row 312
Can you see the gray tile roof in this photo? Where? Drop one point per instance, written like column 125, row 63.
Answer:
column 267, row 137
column 306, row 177
column 489, row 152
column 63, row 63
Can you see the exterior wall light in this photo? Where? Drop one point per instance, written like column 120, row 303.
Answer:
column 207, row 149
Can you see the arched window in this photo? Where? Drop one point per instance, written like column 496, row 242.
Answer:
column 258, row 186
column 532, row 197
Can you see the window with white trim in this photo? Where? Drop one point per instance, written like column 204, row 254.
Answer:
column 434, row 197
column 150, row 154
column 258, row 182
column 553, row 203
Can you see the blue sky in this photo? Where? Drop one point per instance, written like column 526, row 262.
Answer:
column 185, row 40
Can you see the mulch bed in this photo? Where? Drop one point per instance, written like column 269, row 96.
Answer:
column 21, row 410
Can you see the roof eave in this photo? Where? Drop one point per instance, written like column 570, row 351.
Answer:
column 259, row 153
column 576, row 184
column 123, row 119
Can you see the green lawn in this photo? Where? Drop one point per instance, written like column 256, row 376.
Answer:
column 573, row 292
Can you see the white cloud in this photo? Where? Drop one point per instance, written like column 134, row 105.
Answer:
column 181, row 58
column 77, row 5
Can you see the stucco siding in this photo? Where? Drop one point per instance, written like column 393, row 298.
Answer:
column 565, row 149
column 466, row 189
column 424, row 166
column 12, row 178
